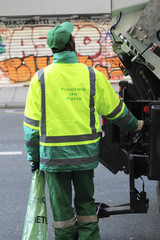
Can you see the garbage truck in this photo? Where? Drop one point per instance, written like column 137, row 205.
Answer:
column 136, row 41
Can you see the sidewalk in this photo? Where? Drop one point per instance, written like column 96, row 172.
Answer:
column 13, row 96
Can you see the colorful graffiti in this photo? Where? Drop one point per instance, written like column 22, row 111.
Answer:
column 22, row 70
column 25, row 49
column 2, row 50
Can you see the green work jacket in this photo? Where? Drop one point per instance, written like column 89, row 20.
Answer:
column 61, row 122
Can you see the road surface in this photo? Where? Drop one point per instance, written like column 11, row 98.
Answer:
column 15, row 179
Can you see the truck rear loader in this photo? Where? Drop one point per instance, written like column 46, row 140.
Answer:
column 136, row 41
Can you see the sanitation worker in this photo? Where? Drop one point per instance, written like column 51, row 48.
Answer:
column 62, row 132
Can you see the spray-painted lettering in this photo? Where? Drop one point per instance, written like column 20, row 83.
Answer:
column 24, row 48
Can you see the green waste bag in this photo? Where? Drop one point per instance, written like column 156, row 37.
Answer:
column 35, row 225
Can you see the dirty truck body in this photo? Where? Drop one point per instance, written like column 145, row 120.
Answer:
column 136, row 40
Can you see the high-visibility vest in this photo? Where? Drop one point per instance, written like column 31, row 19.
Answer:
column 62, row 108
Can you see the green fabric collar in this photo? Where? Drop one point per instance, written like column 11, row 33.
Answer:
column 65, row 57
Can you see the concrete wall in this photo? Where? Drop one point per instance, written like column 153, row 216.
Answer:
column 53, row 7
column 23, row 48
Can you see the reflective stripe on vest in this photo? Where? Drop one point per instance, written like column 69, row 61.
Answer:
column 115, row 111
column 87, row 219
column 64, row 224
column 43, row 105
column 72, row 138
column 70, row 161
column 31, row 121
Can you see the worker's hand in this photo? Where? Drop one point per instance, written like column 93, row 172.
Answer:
column 140, row 125
column 34, row 166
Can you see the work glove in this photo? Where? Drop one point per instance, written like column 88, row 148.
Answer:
column 140, row 125
column 141, row 128
column 34, row 166
column 143, row 125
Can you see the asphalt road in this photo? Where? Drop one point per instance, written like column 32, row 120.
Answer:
column 15, row 179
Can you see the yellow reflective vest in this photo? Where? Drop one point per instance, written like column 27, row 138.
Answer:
column 61, row 123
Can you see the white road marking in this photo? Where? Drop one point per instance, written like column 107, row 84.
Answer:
column 11, row 153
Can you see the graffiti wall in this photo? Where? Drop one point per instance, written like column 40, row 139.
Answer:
column 23, row 47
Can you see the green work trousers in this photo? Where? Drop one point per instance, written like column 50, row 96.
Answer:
column 60, row 190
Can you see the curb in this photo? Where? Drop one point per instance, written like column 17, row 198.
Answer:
column 13, row 97
column 12, row 105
